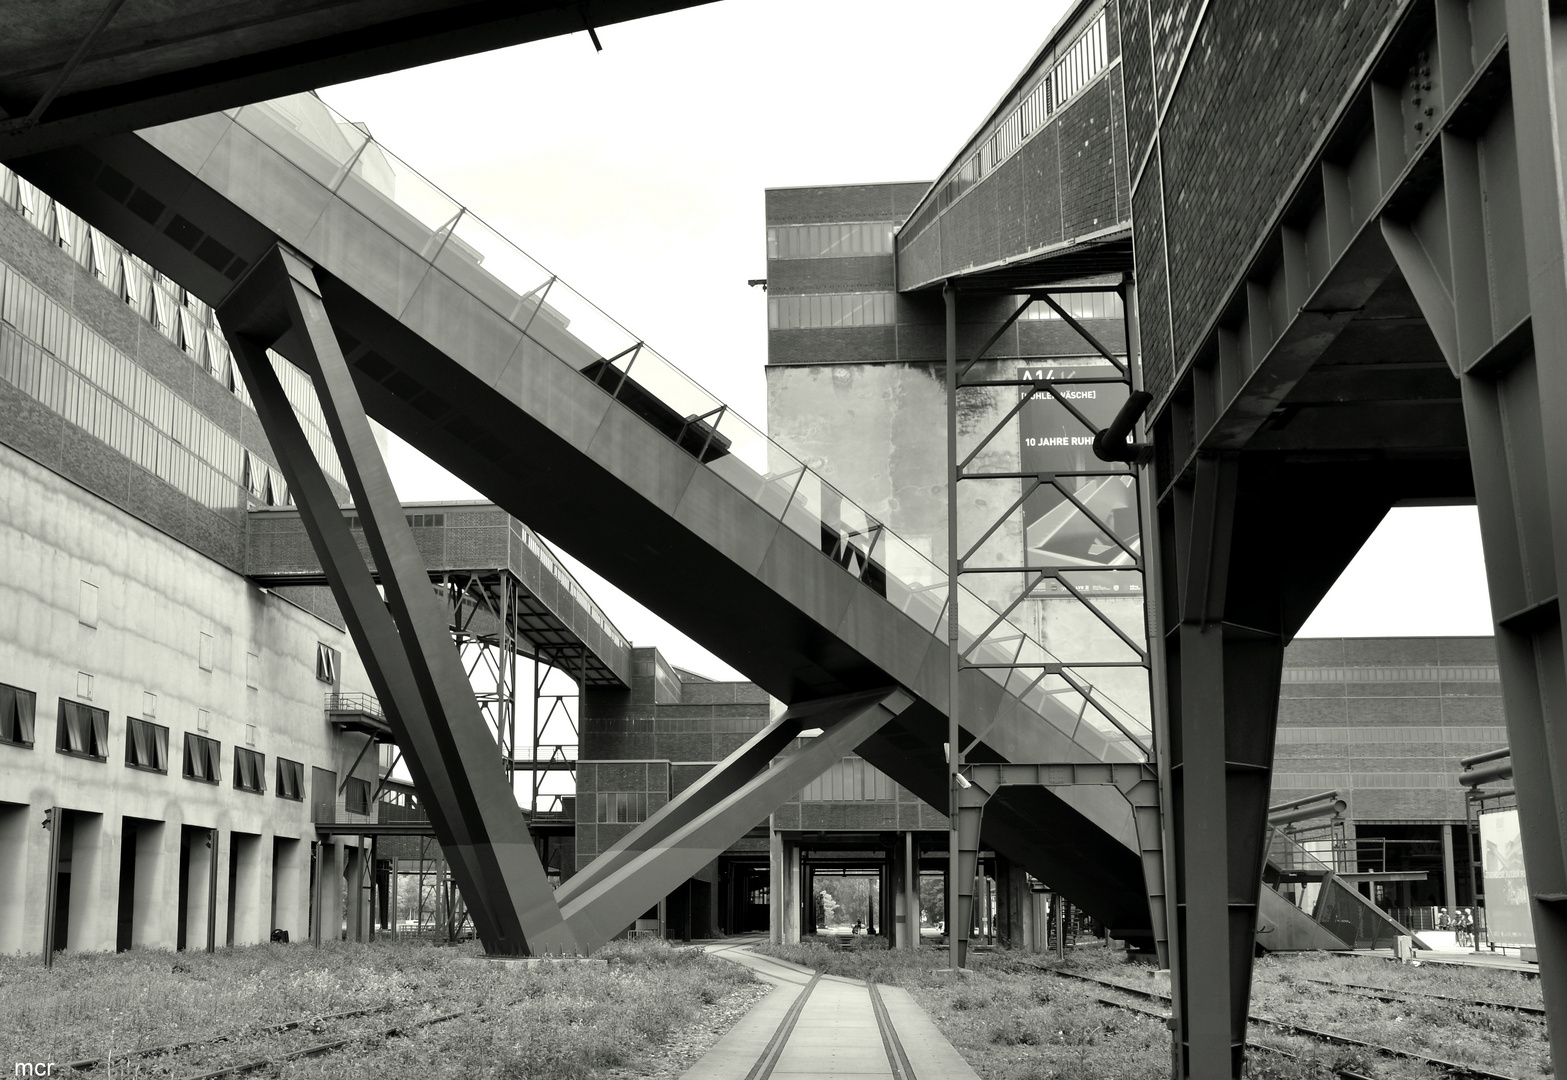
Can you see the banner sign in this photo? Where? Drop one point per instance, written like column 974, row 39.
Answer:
column 1507, row 917
column 1058, row 533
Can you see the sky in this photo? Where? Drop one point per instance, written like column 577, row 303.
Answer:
column 637, row 174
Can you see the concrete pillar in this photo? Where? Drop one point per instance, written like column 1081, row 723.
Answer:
column 911, row 889
column 1449, row 877
column 95, row 883
column 785, row 897
column 290, row 887
column 245, row 899
column 775, row 887
column 326, row 923
column 357, row 908
column 14, row 909
column 1011, row 903
column 198, row 884
column 153, row 914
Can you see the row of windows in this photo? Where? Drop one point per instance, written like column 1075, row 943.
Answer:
column 83, row 731
column 415, row 521
column 183, row 318
column 1087, row 57
column 621, row 807
column 830, row 309
column 1388, row 674
column 1094, row 305
column 829, row 241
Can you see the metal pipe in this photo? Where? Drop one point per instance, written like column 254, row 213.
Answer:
column 1490, row 755
column 1306, row 813
column 1496, row 770
column 1318, row 797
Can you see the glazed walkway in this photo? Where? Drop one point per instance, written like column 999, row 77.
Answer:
column 822, row 1027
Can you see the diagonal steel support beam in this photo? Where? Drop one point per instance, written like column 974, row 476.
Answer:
column 675, row 846
column 408, row 653
column 717, row 784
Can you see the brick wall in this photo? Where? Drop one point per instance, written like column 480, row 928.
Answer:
column 1252, row 101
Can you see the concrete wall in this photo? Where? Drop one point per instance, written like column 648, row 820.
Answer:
column 162, row 610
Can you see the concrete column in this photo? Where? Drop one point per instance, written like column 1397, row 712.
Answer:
column 197, row 887
column 14, row 908
column 911, row 888
column 95, row 883
column 775, row 886
column 789, row 897
column 1011, row 903
column 1449, row 878
column 153, row 914
column 246, row 899
column 290, row 888
column 354, row 892
column 327, row 915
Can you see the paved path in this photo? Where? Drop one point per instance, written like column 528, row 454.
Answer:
column 822, row 1027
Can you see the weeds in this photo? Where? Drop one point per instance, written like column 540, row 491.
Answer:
column 553, row 1022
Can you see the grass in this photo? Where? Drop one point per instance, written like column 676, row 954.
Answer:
column 553, row 1022
column 1012, row 1019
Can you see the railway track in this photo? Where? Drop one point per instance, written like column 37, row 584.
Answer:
column 147, row 1056
column 1452, row 1068
column 1389, row 994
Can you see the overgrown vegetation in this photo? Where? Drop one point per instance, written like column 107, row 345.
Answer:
column 1012, row 1019
column 552, row 1022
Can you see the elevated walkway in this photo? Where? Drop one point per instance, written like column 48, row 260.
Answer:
column 489, row 365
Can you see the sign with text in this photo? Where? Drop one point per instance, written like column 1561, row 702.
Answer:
column 1507, row 917
column 1055, row 440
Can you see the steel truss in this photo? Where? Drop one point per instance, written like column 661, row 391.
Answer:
column 1052, row 574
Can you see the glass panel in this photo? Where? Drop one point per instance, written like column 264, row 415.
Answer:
column 576, row 331
column 671, row 385
column 394, row 196
column 490, row 266
column 307, row 133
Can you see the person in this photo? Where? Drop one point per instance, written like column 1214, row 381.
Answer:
column 1443, row 920
column 858, row 926
column 1466, row 936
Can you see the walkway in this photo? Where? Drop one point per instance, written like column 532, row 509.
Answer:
column 822, row 1027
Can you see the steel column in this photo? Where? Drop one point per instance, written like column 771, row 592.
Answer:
column 417, row 672
column 957, row 932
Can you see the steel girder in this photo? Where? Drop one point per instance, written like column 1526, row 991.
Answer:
column 1501, row 198
column 1138, row 783
column 728, row 801
column 403, row 641
column 1397, row 334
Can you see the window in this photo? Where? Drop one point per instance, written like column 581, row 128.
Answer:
column 201, row 759
column 621, row 807
column 829, row 241
column 83, row 731
column 17, row 709
column 250, row 770
column 830, row 309
column 87, row 604
column 290, row 780
column 357, row 796
column 326, row 662
column 146, row 746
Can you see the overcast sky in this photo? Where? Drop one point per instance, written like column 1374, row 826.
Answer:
column 637, row 174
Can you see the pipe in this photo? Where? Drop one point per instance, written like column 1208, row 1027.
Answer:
column 1111, row 445
column 1318, row 797
column 1496, row 770
column 1490, row 755
column 1306, row 813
